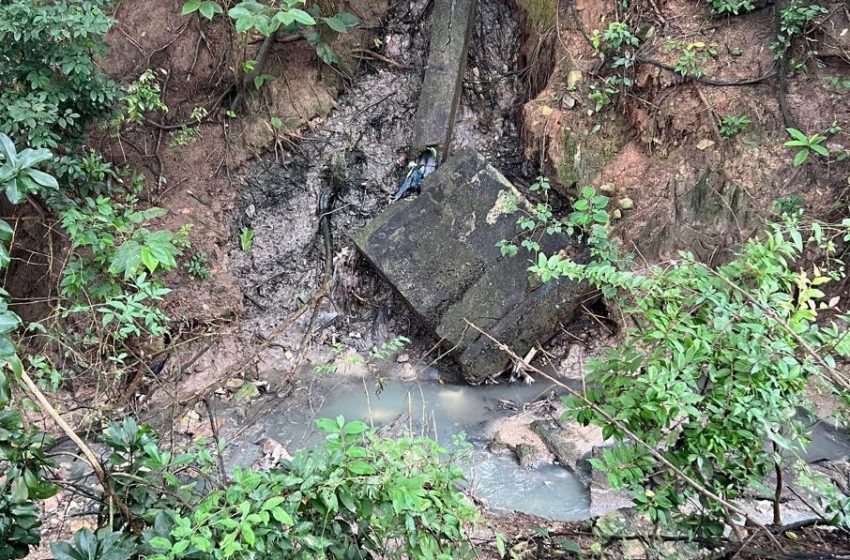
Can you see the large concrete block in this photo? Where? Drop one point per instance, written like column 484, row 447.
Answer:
column 439, row 251
column 451, row 28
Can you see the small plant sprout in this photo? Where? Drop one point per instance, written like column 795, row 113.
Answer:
column 506, row 248
column 541, row 184
column 197, row 266
column 807, row 145
column 733, row 125
column 246, row 239
column 199, row 114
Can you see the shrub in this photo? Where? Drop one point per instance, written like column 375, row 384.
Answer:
column 716, row 363
column 50, row 87
column 356, row 496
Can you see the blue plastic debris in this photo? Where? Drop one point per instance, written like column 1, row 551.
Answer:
column 424, row 165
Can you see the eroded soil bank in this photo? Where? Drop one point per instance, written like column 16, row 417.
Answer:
column 251, row 337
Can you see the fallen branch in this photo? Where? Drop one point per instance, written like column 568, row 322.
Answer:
column 100, row 473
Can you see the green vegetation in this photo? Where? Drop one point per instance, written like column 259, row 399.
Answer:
column 50, row 87
column 342, row 356
column 712, row 363
column 794, row 21
column 22, row 456
column 733, row 125
column 731, row 7
column 291, row 16
column 246, row 239
column 716, row 364
column 197, row 266
column 807, row 145
column 355, row 496
column 615, row 46
column 692, row 56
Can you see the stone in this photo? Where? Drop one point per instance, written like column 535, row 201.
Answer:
column 705, row 144
column 273, row 454
column 451, row 29
column 707, row 212
column 626, row 203
column 439, row 250
column 570, row 443
column 574, row 78
column 234, row 383
column 527, row 455
column 633, row 549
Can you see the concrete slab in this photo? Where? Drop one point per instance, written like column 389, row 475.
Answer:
column 439, row 252
column 451, row 28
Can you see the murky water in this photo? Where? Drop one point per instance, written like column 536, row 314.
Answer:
column 441, row 411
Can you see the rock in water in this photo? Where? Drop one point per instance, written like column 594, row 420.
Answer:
column 440, row 253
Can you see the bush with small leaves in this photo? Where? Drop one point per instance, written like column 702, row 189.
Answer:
column 717, row 364
column 356, row 496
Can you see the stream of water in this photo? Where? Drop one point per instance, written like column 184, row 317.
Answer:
column 442, row 411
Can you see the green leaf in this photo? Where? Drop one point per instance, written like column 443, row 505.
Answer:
column 127, row 259
column 818, row 149
column 148, row 259
column 360, row 468
column 248, row 534
column 245, row 9
column 282, row 516
column 44, row 179
column 272, row 503
column 210, row 9
column 7, row 348
column 190, row 7
column 160, row 543
column 5, row 388
column 302, row 17
column 8, row 322
column 354, row 428
column 63, row 551
column 569, row 545
column 6, row 231
column 336, row 24
column 327, row 425
column 19, row 490
column 29, row 157
column 801, row 158
column 7, row 148
column 14, row 192
column 179, row 548
column 5, row 259
column 794, row 133
column 500, row 545
column 348, row 19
